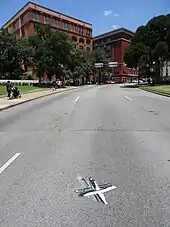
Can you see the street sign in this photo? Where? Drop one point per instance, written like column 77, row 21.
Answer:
column 98, row 65
column 113, row 64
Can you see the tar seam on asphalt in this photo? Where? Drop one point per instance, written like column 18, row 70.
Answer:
column 86, row 130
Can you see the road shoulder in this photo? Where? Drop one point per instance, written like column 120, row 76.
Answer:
column 5, row 104
column 155, row 92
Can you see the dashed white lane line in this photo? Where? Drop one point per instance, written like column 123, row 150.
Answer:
column 77, row 99
column 128, row 98
column 9, row 162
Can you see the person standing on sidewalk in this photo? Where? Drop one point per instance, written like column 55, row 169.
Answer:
column 54, row 85
column 9, row 88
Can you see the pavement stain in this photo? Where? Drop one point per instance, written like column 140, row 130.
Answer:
column 154, row 112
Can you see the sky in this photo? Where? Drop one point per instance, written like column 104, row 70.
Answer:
column 104, row 15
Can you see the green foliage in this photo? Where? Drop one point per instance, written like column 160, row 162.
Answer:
column 99, row 56
column 9, row 55
column 150, row 46
column 134, row 52
column 46, row 52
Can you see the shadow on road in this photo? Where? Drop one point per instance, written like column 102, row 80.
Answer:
column 129, row 86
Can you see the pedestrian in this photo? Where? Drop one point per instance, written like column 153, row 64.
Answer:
column 54, row 85
column 9, row 89
column 59, row 83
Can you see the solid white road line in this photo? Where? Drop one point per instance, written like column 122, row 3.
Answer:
column 77, row 99
column 128, row 98
column 9, row 162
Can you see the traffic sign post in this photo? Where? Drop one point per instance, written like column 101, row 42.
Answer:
column 98, row 65
column 101, row 65
column 112, row 64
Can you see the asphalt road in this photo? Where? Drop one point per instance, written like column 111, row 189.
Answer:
column 116, row 135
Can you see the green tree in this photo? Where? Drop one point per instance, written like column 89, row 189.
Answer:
column 9, row 56
column 134, row 53
column 99, row 56
column 76, row 64
column 150, row 46
column 26, row 53
column 51, row 51
column 47, row 52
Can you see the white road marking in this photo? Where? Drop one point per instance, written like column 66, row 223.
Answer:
column 77, row 99
column 12, row 159
column 128, row 98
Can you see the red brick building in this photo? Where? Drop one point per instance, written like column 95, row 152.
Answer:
column 115, row 43
column 24, row 24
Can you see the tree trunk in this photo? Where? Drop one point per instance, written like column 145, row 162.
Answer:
column 157, row 72
column 63, row 80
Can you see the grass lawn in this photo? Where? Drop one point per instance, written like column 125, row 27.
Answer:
column 159, row 88
column 22, row 89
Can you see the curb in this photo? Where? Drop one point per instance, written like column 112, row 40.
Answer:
column 155, row 92
column 29, row 100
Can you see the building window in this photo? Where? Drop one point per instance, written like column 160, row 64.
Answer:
column 22, row 20
column 117, row 44
column 88, row 49
column 65, row 25
column 36, row 17
column 23, row 32
column 81, row 31
column 14, row 25
column 35, row 27
column 74, row 28
column 81, row 47
column 56, row 23
column 81, row 40
column 88, row 41
column 46, row 20
column 108, row 47
column 88, row 33
column 74, row 39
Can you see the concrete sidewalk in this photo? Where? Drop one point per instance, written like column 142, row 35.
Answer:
column 5, row 103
